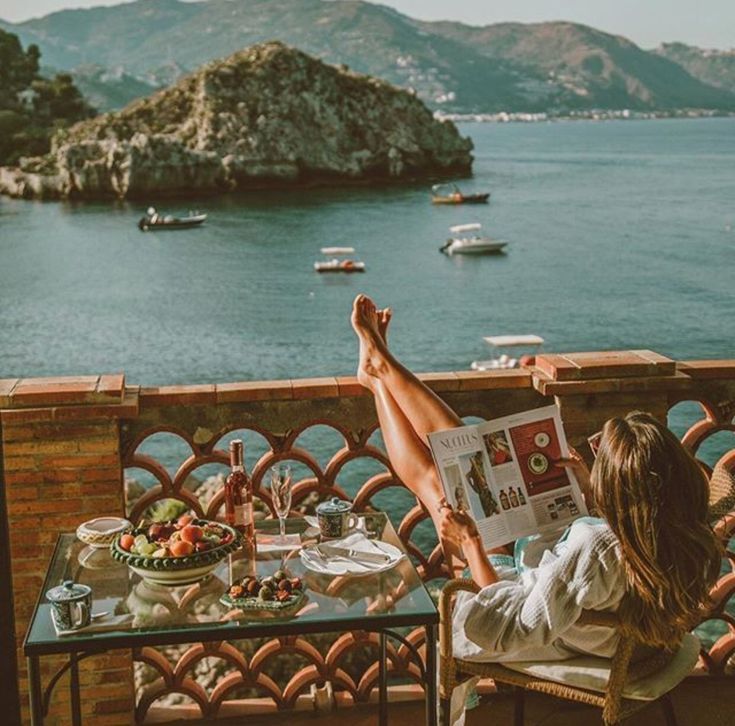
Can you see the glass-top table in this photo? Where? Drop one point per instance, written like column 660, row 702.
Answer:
column 141, row 613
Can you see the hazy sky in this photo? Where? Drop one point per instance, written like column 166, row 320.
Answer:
column 707, row 23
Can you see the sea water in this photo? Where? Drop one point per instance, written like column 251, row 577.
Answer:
column 621, row 235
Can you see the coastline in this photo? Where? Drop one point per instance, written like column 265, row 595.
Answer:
column 581, row 115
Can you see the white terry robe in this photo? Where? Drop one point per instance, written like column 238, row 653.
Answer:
column 532, row 616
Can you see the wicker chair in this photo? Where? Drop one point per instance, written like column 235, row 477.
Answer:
column 623, row 668
column 721, row 493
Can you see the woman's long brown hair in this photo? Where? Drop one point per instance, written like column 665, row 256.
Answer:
column 654, row 496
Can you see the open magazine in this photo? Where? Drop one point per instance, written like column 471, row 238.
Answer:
column 502, row 473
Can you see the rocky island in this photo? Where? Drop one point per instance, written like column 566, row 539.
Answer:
column 266, row 115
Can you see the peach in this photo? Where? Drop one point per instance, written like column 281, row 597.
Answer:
column 183, row 520
column 127, row 541
column 181, row 548
column 191, row 533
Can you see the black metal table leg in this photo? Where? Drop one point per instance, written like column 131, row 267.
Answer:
column 383, row 681
column 76, row 710
column 34, row 680
column 431, row 676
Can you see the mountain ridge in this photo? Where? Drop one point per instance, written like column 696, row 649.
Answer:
column 715, row 67
column 452, row 66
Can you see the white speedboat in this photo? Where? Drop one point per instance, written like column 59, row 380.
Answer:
column 468, row 240
column 506, row 349
column 335, row 264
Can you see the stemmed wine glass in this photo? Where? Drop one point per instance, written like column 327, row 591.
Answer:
column 280, row 485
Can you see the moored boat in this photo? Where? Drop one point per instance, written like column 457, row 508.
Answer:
column 154, row 220
column 472, row 244
column 506, row 352
column 334, row 264
column 443, row 194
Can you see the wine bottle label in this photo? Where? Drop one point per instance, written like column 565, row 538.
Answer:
column 243, row 514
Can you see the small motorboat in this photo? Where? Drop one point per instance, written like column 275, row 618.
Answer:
column 444, row 194
column 335, row 264
column 154, row 220
column 472, row 244
column 508, row 359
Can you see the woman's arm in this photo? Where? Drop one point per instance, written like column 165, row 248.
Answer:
column 458, row 527
column 582, row 473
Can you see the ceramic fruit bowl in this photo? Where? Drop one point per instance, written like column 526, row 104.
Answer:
column 175, row 553
column 100, row 532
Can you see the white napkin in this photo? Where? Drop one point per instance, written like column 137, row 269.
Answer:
column 342, row 565
column 99, row 625
column 272, row 542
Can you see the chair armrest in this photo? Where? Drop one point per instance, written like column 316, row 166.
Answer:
column 446, row 606
column 722, row 501
column 597, row 617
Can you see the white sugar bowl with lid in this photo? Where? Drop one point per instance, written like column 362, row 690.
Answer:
column 71, row 605
column 101, row 531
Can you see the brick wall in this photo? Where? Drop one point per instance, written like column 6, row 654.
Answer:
column 62, row 467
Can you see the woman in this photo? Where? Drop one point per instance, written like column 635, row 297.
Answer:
column 650, row 555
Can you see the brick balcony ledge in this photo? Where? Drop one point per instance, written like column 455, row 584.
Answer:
column 68, row 441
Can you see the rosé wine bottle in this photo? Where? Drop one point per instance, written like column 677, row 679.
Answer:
column 239, row 497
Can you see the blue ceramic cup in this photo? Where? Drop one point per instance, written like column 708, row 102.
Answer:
column 335, row 518
column 71, row 605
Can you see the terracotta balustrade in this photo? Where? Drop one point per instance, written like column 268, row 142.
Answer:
column 69, row 441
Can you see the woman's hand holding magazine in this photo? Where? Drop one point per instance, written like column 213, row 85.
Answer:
column 576, row 464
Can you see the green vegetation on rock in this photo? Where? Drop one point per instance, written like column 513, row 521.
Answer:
column 32, row 108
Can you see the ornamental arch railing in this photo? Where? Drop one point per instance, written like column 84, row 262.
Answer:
column 69, row 443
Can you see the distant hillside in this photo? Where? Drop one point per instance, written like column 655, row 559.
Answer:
column 144, row 36
column 266, row 115
column 715, row 67
column 550, row 66
column 589, row 67
column 109, row 90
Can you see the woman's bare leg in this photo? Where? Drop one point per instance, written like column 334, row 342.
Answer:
column 409, row 457
column 408, row 454
column 421, row 406
column 414, row 466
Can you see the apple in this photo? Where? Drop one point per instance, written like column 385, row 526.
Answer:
column 181, row 548
column 191, row 533
column 127, row 541
column 183, row 520
column 157, row 531
column 202, row 546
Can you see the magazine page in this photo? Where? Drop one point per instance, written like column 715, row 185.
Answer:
column 502, row 473
column 534, row 492
column 467, row 478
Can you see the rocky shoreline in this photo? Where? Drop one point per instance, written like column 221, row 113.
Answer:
column 269, row 115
